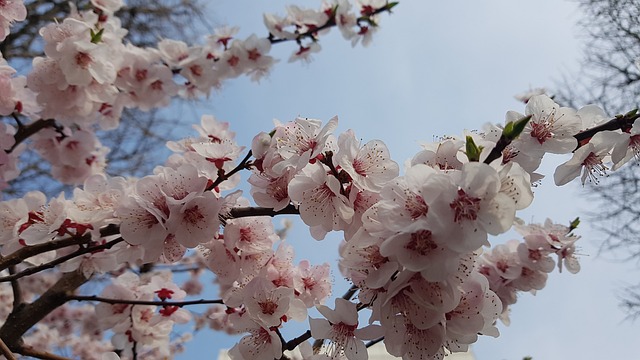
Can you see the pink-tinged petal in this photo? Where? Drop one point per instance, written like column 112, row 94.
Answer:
column 356, row 350
column 346, row 311
column 320, row 328
column 370, row 332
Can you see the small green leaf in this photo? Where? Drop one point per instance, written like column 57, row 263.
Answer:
column 517, row 127
column 96, row 37
column 508, row 129
column 631, row 113
column 574, row 224
column 392, row 4
column 473, row 150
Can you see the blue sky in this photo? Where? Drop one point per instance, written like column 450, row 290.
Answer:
column 436, row 68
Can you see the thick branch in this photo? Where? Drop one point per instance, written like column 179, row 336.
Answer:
column 24, row 317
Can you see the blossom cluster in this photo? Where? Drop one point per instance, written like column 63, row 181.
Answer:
column 414, row 244
column 89, row 75
column 149, row 326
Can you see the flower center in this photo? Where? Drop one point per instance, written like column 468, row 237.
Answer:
column 416, row 206
column 422, row 242
column 593, row 168
column 465, row 207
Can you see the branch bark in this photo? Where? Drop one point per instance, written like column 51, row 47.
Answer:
column 23, row 317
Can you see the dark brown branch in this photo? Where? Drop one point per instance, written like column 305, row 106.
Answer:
column 621, row 122
column 26, row 252
column 50, row 265
column 4, row 350
column 22, row 318
column 373, row 342
column 293, row 343
column 312, row 34
column 15, row 287
column 624, row 123
column 240, row 212
column 30, row 351
column 497, row 150
column 24, row 132
column 143, row 302
column 244, row 164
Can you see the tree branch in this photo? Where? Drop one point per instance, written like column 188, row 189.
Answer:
column 26, row 252
column 30, row 351
column 24, row 132
column 623, row 122
column 22, row 318
column 143, row 302
column 51, row 264
column 240, row 212
column 17, row 293
column 373, row 342
column 4, row 350
column 293, row 343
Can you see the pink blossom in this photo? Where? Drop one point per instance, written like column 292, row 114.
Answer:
column 341, row 327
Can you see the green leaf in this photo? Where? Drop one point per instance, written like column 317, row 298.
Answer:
column 574, row 224
column 473, row 150
column 96, row 37
column 514, row 128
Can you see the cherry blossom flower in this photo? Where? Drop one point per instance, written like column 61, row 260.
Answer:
column 270, row 305
column 108, row 6
column 551, row 127
column 320, row 199
column 588, row 159
column 341, row 328
column 369, row 166
column 10, row 11
column 261, row 344
column 626, row 147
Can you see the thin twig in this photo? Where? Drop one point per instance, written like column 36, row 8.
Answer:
column 373, row 342
column 24, row 132
column 26, row 252
column 60, row 260
column 624, row 122
column 17, row 293
column 223, row 177
column 329, row 24
column 240, row 212
column 143, row 302
column 5, row 351
column 293, row 343
column 30, row 351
